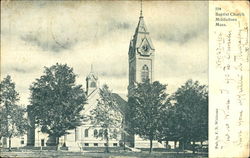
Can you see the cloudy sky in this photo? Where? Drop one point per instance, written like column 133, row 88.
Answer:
column 37, row 34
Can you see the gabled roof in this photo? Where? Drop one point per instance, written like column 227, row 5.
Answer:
column 121, row 102
column 93, row 99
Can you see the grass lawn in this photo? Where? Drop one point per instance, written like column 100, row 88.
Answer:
column 68, row 154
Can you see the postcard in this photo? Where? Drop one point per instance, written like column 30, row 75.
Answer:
column 124, row 79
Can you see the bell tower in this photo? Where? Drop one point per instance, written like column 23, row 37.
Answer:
column 91, row 82
column 141, row 55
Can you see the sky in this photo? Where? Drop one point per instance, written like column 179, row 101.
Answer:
column 35, row 34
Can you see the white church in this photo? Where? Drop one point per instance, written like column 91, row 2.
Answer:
column 141, row 68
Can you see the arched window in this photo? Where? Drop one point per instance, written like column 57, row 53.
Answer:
column 100, row 133
column 145, row 73
column 92, row 84
column 106, row 133
column 115, row 133
column 86, row 133
column 95, row 133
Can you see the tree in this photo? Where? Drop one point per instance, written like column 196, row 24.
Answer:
column 56, row 101
column 12, row 120
column 168, row 122
column 146, row 103
column 107, row 115
column 191, row 112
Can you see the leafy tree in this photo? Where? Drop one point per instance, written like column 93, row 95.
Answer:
column 168, row 122
column 12, row 120
column 146, row 103
column 56, row 101
column 191, row 112
column 107, row 115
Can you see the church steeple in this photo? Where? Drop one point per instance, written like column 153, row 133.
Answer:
column 141, row 10
column 91, row 69
column 141, row 33
column 91, row 81
column 141, row 27
column 141, row 54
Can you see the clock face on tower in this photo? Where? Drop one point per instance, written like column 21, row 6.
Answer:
column 145, row 49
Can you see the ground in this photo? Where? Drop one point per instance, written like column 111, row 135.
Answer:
column 89, row 154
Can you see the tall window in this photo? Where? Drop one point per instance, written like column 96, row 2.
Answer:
column 101, row 132
column 86, row 133
column 42, row 142
column 144, row 73
column 115, row 133
column 95, row 133
column 22, row 141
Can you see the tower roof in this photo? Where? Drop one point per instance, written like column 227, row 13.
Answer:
column 92, row 74
column 141, row 34
column 141, row 27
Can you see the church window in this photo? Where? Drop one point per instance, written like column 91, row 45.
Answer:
column 115, row 133
column 86, row 144
column 105, row 132
column 95, row 133
column 100, row 132
column 86, row 133
column 145, row 73
column 92, row 84
column 42, row 142
column 22, row 141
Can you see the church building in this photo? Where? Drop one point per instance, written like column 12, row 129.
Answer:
column 141, row 68
column 83, row 136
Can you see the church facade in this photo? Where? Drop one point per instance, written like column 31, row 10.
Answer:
column 86, row 135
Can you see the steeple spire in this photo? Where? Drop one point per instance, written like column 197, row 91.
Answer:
column 91, row 69
column 141, row 27
column 91, row 81
column 92, row 73
column 141, row 10
column 141, row 33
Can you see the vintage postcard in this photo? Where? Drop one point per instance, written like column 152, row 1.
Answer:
column 124, row 79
